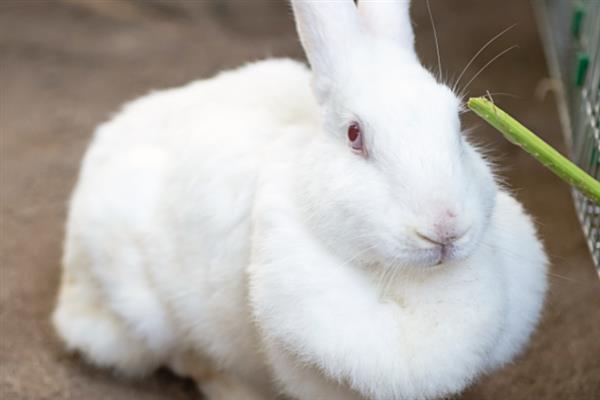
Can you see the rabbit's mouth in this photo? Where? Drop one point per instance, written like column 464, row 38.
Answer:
column 434, row 256
column 451, row 253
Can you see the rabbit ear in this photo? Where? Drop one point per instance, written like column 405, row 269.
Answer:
column 389, row 19
column 327, row 30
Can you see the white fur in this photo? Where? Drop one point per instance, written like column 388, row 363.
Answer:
column 225, row 229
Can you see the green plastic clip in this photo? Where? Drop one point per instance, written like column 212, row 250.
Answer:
column 583, row 62
column 594, row 157
column 577, row 20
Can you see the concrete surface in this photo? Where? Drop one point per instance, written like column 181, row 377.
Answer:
column 65, row 66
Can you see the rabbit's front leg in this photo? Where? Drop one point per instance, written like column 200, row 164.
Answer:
column 322, row 321
column 301, row 381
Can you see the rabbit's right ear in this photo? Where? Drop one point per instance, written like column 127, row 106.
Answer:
column 327, row 30
column 389, row 19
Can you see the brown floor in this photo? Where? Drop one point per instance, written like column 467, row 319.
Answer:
column 67, row 65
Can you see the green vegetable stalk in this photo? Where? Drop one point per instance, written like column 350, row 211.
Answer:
column 543, row 152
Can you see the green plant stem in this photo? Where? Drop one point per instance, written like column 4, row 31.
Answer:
column 516, row 133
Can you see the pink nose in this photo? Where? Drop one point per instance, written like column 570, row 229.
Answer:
column 445, row 231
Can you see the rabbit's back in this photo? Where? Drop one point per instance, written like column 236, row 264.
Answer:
column 257, row 97
column 159, row 225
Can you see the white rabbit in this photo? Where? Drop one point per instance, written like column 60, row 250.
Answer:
column 265, row 239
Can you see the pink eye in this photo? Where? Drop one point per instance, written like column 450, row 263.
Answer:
column 355, row 137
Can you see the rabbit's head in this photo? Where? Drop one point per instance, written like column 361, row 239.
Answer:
column 390, row 180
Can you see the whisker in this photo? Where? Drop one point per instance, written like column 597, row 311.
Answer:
column 520, row 257
column 464, row 89
column 506, row 94
column 485, row 46
column 358, row 255
column 435, row 37
column 386, row 281
column 471, row 129
column 555, row 275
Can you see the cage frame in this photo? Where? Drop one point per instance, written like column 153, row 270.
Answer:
column 570, row 31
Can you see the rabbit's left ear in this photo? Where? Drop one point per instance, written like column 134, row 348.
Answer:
column 328, row 30
column 389, row 19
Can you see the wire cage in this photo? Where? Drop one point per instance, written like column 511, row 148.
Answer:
column 571, row 34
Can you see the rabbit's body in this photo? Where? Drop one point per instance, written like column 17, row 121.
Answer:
column 221, row 230
column 160, row 221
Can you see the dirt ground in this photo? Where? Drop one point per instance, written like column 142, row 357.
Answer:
column 66, row 66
